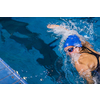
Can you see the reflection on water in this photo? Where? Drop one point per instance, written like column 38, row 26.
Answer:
column 29, row 49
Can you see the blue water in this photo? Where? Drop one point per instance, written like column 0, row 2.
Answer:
column 32, row 51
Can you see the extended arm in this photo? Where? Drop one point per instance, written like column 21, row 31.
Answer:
column 55, row 26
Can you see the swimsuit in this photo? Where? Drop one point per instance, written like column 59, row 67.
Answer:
column 96, row 72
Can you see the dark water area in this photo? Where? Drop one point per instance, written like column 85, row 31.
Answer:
column 29, row 49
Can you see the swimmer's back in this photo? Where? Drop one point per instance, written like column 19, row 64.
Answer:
column 89, row 60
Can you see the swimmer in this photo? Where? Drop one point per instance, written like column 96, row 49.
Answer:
column 88, row 63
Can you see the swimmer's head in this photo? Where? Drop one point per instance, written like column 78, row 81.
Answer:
column 72, row 45
column 72, row 40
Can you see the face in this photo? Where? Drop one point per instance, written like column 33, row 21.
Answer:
column 71, row 49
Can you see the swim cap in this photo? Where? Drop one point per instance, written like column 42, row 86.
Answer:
column 72, row 40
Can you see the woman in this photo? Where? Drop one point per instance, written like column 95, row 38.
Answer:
column 88, row 60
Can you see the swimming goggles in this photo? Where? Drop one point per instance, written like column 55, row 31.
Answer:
column 70, row 49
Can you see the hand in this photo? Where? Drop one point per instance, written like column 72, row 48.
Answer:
column 54, row 26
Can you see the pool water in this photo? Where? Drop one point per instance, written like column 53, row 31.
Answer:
column 30, row 49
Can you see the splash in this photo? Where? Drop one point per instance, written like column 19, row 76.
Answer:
column 75, row 57
column 69, row 28
column 95, row 80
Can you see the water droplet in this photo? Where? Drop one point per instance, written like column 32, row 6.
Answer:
column 36, row 75
column 41, row 79
column 24, row 78
column 41, row 73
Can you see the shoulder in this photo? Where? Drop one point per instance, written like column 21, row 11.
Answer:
column 86, row 56
column 87, row 59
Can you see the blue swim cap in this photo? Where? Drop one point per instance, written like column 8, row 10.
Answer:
column 72, row 40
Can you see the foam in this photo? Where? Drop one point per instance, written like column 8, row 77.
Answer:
column 72, row 28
